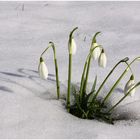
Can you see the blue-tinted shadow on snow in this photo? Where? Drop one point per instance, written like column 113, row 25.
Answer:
column 6, row 89
column 120, row 90
column 12, row 74
column 25, row 73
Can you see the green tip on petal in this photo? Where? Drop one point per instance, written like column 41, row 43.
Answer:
column 132, row 77
column 102, row 51
column 41, row 59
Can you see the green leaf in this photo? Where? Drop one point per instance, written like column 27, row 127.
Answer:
column 84, row 81
column 94, row 84
column 78, row 104
column 83, row 87
column 90, row 97
column 77, row 100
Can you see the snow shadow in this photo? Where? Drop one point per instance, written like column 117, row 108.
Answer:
column 12, row 74
column 129, row 111
column 120, row 90
column 126, row 112
column 6, row 89
column 31, row 76
column 50, row 94
column 26, row 74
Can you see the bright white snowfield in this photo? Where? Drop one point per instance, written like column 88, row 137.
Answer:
column 28, row 104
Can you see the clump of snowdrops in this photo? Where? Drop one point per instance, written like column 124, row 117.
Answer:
column 87, row 105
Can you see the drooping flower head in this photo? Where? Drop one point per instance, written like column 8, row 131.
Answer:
column 72, row 47
column 71, row 44
column 102, row 61
column 129, row 85
column 42, row 69
column 96, row 52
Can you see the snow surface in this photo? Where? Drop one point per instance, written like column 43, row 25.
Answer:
column 28, row 105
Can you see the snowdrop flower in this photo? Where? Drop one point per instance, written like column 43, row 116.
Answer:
column 102, row 59
column 42, row 69
column 97, row 51
column 72, row 47
column 129, row 85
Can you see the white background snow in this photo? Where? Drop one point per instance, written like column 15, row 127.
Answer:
column 28, row 105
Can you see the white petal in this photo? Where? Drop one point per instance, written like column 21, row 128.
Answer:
column 96, row 53
column 102, row 60
column 129, row 85
column 126, row 88
column 72, row 49
column 133, row 91
column 43, row 70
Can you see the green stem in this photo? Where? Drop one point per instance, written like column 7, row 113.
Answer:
column 57, row 79
column 56, row 66
column 83, row 74
column 119, row 79
column 123, row 60
column 45, row 50
column 89, row 62
column 123, row 97
column 69, row 70
column 87, row 74
column 82, row 80
column 69, row 82
column 82, row 85
column 71, row 33
column 114, row 86
column 94, row 37
column 56, row 71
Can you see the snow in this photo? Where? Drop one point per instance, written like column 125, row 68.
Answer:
column 28, row 104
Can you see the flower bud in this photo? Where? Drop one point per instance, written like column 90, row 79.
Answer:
column 72, row 47
column 42, row 69
column 129, row 85
column 96, row 52
column 102, row 59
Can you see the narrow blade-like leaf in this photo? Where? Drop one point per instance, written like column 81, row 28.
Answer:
column 94, row 84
